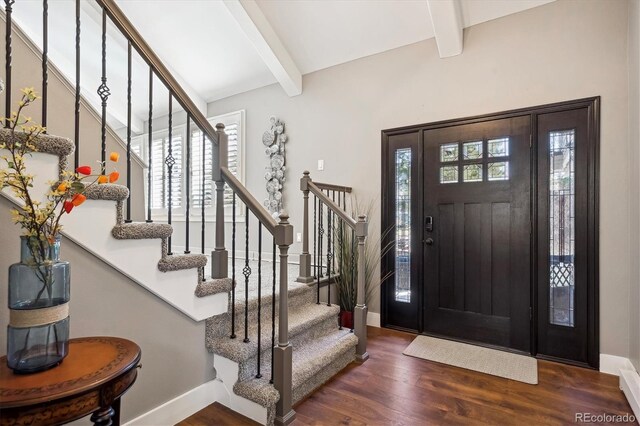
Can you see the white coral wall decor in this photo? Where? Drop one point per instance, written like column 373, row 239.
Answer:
column 274, row 141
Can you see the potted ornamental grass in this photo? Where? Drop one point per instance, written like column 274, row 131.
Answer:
column 38, row 290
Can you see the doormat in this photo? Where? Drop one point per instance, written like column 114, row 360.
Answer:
column 484, row 360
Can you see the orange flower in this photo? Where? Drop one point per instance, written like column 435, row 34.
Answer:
column 63, row 187
column 84, row 170
column 103, row 179
column 114, row 176
column 78, row 199
column 68, row 206
column 114, row 156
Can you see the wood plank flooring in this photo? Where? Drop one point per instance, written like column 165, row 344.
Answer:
column 391, row 388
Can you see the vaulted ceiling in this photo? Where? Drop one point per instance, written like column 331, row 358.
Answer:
column 218, row 48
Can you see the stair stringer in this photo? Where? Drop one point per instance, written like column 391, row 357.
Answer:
column 227, row 373
column 90, row 227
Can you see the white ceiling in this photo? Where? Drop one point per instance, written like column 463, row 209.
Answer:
column 209, row 52
column 206, row 47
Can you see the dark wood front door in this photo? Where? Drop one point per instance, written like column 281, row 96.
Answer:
column 476, row 232
column 492, row 224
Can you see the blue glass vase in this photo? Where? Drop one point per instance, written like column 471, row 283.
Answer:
column 38, row 330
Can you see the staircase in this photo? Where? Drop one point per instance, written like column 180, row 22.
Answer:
column 274, row 340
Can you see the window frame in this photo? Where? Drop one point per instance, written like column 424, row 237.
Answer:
column 179, row 213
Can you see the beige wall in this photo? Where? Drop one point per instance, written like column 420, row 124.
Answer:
column 561, row 51
column 634, row 182
column 104, row 302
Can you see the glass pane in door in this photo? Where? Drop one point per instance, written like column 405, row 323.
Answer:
column 402, row 253
column 561, row 227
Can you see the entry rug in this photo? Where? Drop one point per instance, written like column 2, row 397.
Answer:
column 484, row 360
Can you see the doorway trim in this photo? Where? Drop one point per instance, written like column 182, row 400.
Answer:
column 592, row 104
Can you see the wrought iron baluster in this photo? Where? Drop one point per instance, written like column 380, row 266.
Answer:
column 315, row 225
column 353, row 265
column 103, row 89
column 259, row 375
column 150, row 146
column 329, row 251
column 76, row 153
column 170, row 161
column 319, row 258
column 246, row 272
column 203, row 192
column 233, row 267
column 128, row 220
column 45, row 60
column 187, row 198
column 8, row 48
column 273, row 307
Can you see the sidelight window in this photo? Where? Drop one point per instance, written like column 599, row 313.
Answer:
column 403, row 225
column 562, row 227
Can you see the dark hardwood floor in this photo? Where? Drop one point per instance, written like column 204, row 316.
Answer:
column 391, row 388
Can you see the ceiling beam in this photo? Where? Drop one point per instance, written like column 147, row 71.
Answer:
column 258, row 30
column 446, row 17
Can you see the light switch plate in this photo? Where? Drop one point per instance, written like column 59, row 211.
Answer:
column 321, row 165
column 299, row 237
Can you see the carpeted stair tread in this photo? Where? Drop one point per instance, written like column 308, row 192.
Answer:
column 214, row 286
column 107, row 191
column 141, row 231
column 300, row 320
column 179, row 262
column 316, row 354
column 44, row 143
column 294, row 289
column 259, row 391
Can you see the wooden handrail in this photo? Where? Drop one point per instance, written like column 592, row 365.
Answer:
column 125, row 26
column 314, row 189
column 249, row 200
column 333, row 187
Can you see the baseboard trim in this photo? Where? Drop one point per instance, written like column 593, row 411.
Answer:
column 373, row 319
column 630, row 385
column 612, row 364
column 180, row 407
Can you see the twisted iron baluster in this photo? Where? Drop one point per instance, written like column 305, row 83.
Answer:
column 202, row 201
column 246, row 272
column 319, row 258
column 233, row 267
column 8, row 48
column 103, row 89
column 128, row 220
column 273, row 308
column 329, row 252
column 188, row 185
column 259, row 295
column 45, row 60
column 170, row 161
column 150, row 141
column 76, row 153
column 353, row 265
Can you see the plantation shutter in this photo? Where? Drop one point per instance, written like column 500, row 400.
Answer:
column 197, row 168
column 160, row 173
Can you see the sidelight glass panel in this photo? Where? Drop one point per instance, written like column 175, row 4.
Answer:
column 498, row 171
column 472, row 150
column 498, row 147
column 561, row 227
column 449, row 174
column 449, row 152
column 472, row 173
column 402, row 273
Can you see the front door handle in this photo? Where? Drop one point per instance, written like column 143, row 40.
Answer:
column 429, row 241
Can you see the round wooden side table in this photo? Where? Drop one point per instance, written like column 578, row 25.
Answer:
column 91, row 379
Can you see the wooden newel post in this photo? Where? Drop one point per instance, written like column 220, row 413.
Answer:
column 305, row 257
column 360, row 314
column 283, row 352
column 219, row 256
